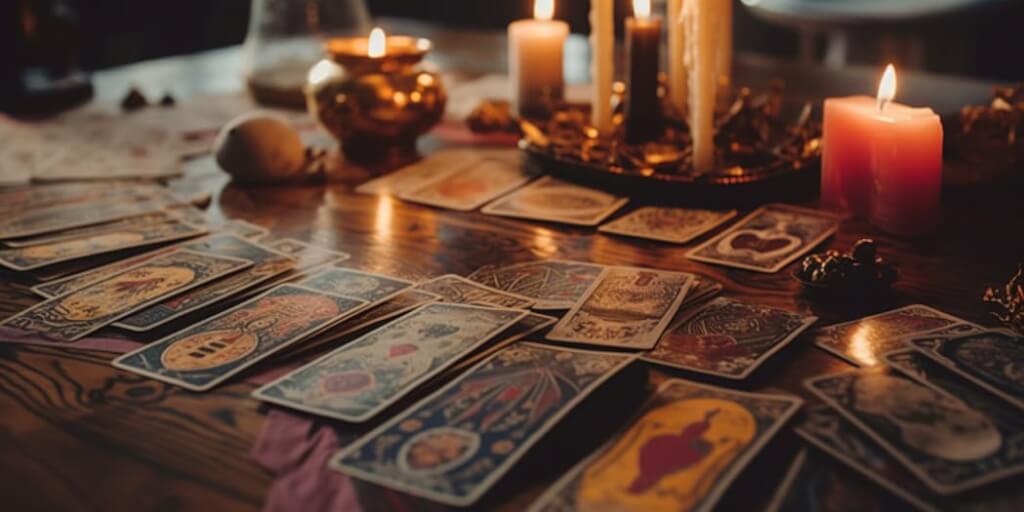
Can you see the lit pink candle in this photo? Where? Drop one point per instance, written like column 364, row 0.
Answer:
column 883, row 160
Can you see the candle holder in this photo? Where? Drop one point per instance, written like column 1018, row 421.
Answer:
column 761, row 143
column 376, row 107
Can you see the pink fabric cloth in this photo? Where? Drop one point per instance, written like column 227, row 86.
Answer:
column 296, row 449
column 120, row 346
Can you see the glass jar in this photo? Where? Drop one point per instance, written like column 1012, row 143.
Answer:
column 286, row 37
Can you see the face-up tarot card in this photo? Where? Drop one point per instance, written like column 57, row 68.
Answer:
column 625, row 307
column 554, row 284
column 398, row 305
column 471, row 187
column 554, row 200
column 675, row 225
column 208, row 353
column 59, row 218
column 828, row 430
column 37, row 256
column 768, row 239
column 993, row 360
column 362, row 378
column 728, row 339
column 267, row 263
column 414, row 176
column 372, row 288
column 152, row 219
column 458, row 289
column 681, row 451
column 949, row 445
column 862, row 342
column 307, row 256
column 454, row 445
column 86, row 310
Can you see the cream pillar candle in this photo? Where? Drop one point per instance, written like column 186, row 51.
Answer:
column 602, row 64
column 700, row 26
column 677, row 89
column 535, row 57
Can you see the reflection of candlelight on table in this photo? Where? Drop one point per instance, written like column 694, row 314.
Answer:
column 643, row 41
column 883, row 160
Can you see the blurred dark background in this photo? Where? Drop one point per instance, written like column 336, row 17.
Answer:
column 980, row 38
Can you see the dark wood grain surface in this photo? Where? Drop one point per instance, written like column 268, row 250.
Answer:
column 76, row 434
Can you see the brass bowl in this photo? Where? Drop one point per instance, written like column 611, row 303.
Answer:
column 376, row 107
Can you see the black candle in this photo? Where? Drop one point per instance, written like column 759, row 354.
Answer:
column 643, row 42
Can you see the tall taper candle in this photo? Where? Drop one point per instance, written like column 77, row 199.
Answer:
column 602, row 64
column 643, row 42
column 723, row 50
column 700, row 27
column 677, row 89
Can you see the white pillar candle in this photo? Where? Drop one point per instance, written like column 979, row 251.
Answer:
column 677, row 89
column 602, row 64
column 535, row 59
column 700, row 26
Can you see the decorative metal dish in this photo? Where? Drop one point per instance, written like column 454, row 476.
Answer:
column 762, row 143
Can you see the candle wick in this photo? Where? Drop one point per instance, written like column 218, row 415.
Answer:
column 882, row 102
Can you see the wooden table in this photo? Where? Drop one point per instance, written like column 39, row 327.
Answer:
column 77, row 434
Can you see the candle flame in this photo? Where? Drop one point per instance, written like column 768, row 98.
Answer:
column 378, row 45
column 642, row 9
column 543, row 9
column 887, row 87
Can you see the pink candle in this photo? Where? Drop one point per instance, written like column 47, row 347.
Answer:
column 883, row 160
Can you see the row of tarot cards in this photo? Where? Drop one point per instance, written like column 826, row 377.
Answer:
column 467, row 179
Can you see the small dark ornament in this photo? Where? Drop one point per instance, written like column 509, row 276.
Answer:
column 492, row 116
column 860, row 270
column 168, row 100
column 134, row 100
column 1007, row 303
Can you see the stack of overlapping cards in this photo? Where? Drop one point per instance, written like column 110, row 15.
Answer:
column 935, row 414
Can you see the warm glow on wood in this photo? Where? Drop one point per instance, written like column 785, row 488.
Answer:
column 378, row 46
column 544, row 9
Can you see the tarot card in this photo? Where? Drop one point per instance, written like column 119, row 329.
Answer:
column 458, row 289
column 768, row 239
column 703, row 288
column 152, row 219
column 267, row 263
column 454, row 445
column 554, row 284
column 862, row 342
column 307, row 255
column 993, row 360
column 728, row 339
column 37, row 256
column 675, row 225
column 372, row 288
column 469, row 188
column 359, row 380
column 828, row 430
column 680, row 452
column 950, row 446
column 553, row 200
column 626, row 307
column 210, row 352
column 86, row 310
column 243, row 229
column 414, row 176
column 815, row 484
column 532, row 323
column 59, row 218
column 59, row 194
column 398, row 305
